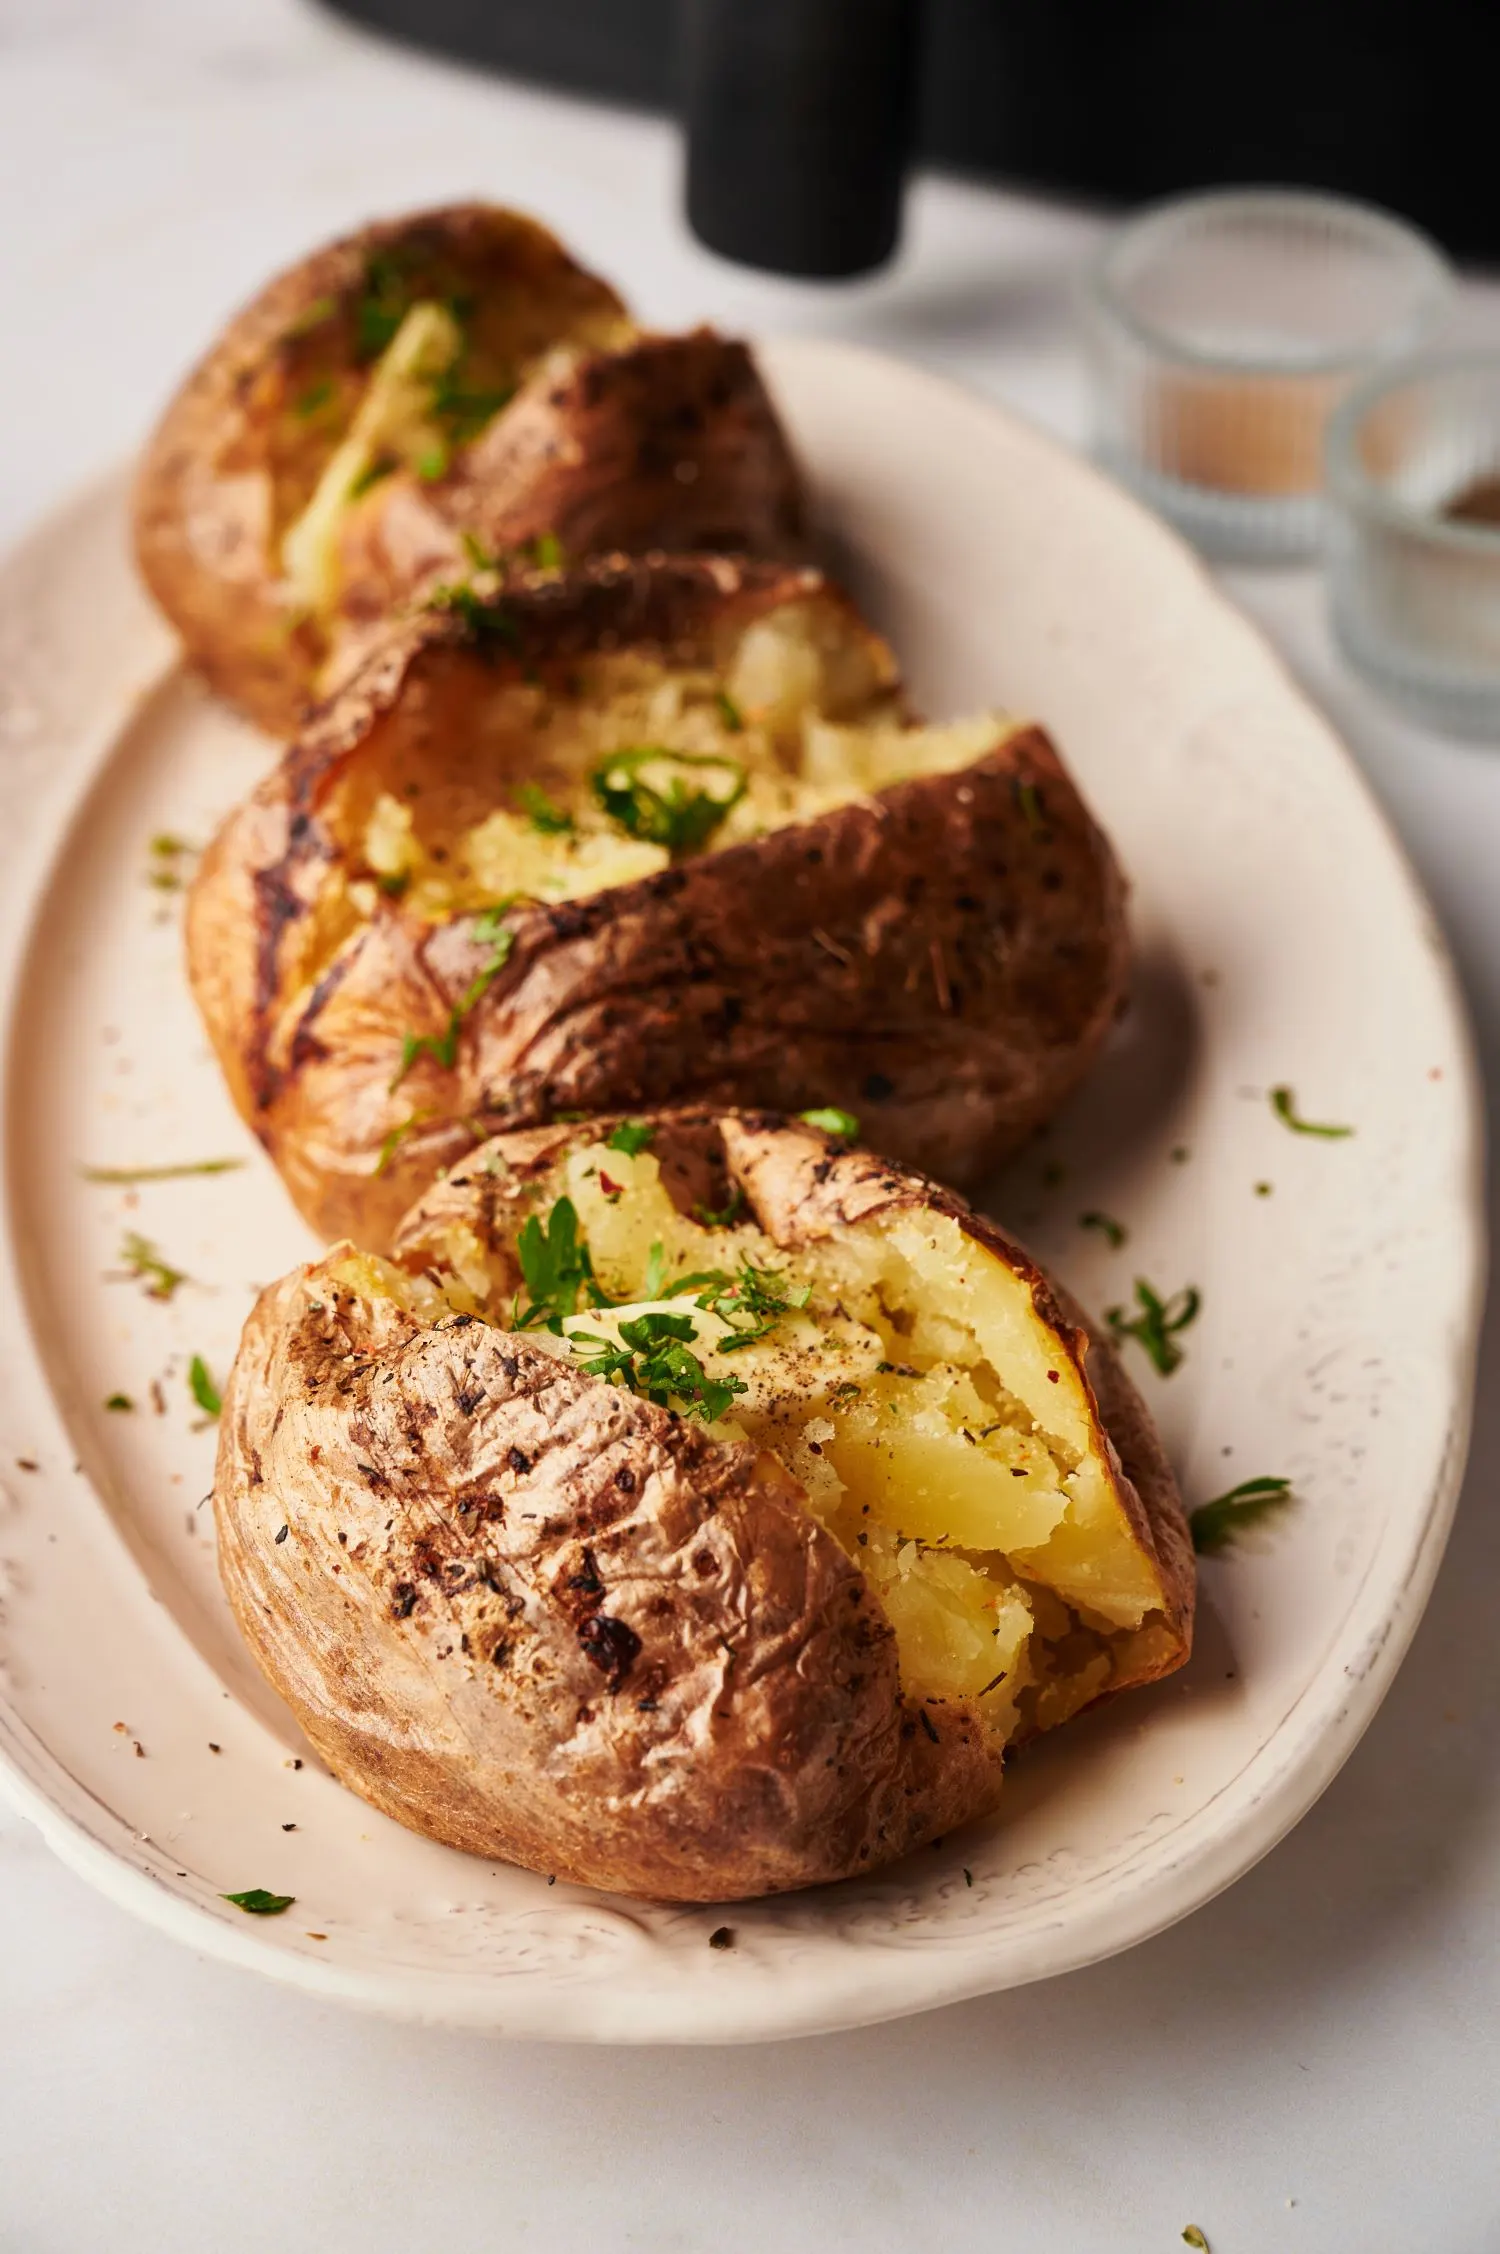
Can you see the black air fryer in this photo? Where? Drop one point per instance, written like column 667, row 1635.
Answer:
column 802, row 115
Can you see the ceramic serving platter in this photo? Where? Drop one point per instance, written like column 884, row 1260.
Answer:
column 1281, row 941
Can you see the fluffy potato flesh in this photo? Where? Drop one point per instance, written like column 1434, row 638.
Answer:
column 641, row 764
column 940, row 1428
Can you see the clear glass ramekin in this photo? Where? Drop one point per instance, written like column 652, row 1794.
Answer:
column 1223, row 331
column 1413, row 587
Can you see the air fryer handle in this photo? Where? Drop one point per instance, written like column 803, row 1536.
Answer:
column 799, row 118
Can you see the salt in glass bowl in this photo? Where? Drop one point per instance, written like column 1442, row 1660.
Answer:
column 1224, row 329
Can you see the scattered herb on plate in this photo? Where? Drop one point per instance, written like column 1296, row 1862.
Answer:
column 832, row 1121
column 1284, row 1104
column 1113, row 1232
column 729, row 712
column 491, row 932
column 127, row 1175
column 118, row 1401
column 203, row 1388
column 256, row 1902
column 144, row 1264
column 654, row 1359
column 1156, row 1326
column 1214, row 1525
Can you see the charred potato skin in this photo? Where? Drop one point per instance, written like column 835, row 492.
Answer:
column 943, row 959
column 542, row 1620
column 667, row 441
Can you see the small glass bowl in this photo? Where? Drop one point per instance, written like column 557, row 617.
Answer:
column 1223, row 331
column 1413, row 588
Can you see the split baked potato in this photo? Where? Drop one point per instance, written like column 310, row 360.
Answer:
column 693, row 1506
column 427, row 388
column 656, row 832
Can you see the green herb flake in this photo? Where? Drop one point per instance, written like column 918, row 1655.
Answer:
column 1214, row 1525
column 729, row 712
column 556, row 1267
column 144, row 1264
column 1113, row 1232
column 491, row 932
column 632, row 1136
column 832, row 1121
column 654, row 1360
column 1029, row 799
column 392, row 1142
column 463, row 411
column 369, row 476
column 432, row 464
column 1262, row 1189
column 1192, row 2236
column 120, row 1402
column 203, row 1388
column 256, row 1902
column 126, row 1176
column 727, row 1217
column 677, row 814
column 321, row 309
column 752, row 1302
column 547, row 552
column 486, row 623
column 1155, row 1327
column 543, row 813
column 1284, row 1104
column 379, row 312
column 313, row 401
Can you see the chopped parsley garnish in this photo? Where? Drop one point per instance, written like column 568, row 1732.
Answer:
column 1216, row 1524
column 490, row 932
column 654, row 1359
column 484, row 618
column 256, row 1902
column 433, row 463
column 632, row 1136
column 729, row 712
column 312, row 402
column 1029, row 799
column 118, row 1401
column 392, row 1142
column 752, row 1302
column 203, row 1388
column 1113, row 1232
column 556, row 1266
column 727, row 1217
column 543, row 813
column 1284, row 1104
column 678, row 814
column 144, row 1264
column 383, row 306
column 546, row 551
column 1157, row 1324
column 1192, row 2236
column 321, row 309
column 126, row 1175
column 370, row 475
column 464, row 412
column 163, row 874
column 832, row 1121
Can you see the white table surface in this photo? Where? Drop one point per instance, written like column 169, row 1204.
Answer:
column 1311, row 2063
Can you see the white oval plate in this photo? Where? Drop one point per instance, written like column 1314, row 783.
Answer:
column 1281, row 940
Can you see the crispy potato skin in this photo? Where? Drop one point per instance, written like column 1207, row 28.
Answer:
column 944, row 958
column 659, row 442
column 542, row 1620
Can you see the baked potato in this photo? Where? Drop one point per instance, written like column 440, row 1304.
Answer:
column 693, row 1506
column 427, row 388
column 657, row 832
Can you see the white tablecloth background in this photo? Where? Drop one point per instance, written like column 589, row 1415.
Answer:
column 1313, row 2062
